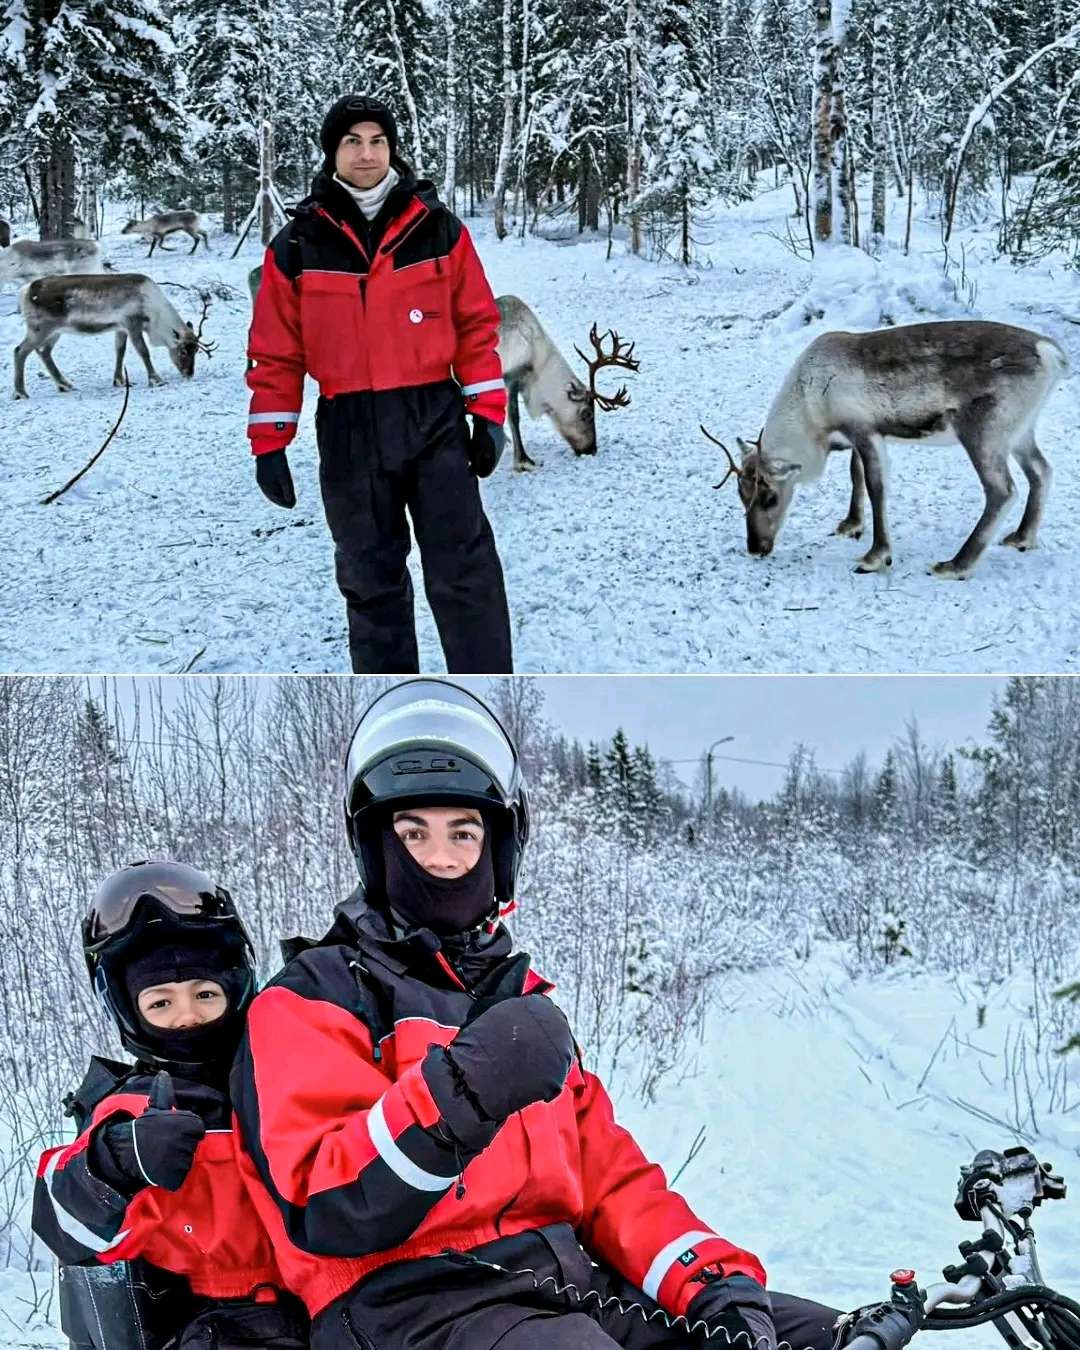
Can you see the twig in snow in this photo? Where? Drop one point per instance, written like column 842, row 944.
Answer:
column 94, row 459
column 695, row 1149
column 926, row 1071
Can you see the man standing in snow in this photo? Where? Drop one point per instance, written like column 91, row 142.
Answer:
column 375, row 289
column 436, row 1167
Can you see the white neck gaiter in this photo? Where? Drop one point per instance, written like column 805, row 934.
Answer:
column 370, row 200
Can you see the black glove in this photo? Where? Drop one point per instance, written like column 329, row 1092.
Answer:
column 273, row 476
column 735, row 1309
column 155, row 1149
column 516, row 1053
column 485, row 446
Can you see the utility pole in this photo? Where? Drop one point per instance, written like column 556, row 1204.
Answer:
column 708, row 772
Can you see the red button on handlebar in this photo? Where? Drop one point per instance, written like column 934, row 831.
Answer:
column 902, row 1277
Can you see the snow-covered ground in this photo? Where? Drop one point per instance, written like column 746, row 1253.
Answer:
column 166, row 557
column 837, row 1117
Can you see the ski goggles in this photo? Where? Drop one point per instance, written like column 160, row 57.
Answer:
column 182, row 891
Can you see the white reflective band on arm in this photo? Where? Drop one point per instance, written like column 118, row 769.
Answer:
column 397, row 1161
column 255, row 418
column 71, row 1225
column 482, row 387
column 665, row 1259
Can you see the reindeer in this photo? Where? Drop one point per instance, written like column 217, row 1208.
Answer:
column 982, row 384
column 158, row 227
column 533, row 365
column 28, row 259
column 127, row 303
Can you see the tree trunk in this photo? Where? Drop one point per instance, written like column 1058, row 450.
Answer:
column 450, row 176
column 403, row 76
column 633, row 143
column 57, row 185
column 266, row 174
column 685, row 241
column 824, row 63
column 502, row 167
column 228, row 197
column 879, row 126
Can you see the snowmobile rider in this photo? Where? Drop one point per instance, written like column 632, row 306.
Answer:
column 152, row 1174
column 375, row 289
column 434, row 1163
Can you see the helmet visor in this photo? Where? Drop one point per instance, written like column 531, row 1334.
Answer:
column 185, row 891
column 436, row 716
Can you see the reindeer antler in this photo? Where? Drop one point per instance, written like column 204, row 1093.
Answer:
column 735, row 469
column 621, row 355
column 208, row 347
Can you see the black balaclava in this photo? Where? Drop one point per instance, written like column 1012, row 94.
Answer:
column 446, row 905
column 346, row 112
column 189, row 956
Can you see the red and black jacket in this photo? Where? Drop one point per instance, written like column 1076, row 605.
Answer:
column 207, row 1230
column 345, row 1155
column 410, row 309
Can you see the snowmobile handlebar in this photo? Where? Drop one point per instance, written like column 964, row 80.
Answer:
column 999, row 1280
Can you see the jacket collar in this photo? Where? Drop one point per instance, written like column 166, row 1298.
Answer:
column 409, row 201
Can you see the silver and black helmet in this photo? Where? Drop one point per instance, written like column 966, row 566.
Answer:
column 430, row 742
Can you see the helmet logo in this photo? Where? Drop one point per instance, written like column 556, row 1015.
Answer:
column 436, row 764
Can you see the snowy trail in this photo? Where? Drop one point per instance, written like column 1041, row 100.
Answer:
column 832, row 1144
column 166, row 556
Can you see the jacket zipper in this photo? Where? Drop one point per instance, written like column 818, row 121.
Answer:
column 358, row 1338
column 397, row 239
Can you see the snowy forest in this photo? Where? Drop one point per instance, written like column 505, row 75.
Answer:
column 943, row 880
column 598, row 116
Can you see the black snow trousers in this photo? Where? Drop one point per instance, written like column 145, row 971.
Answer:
column 382, row 454
column 548, row 1295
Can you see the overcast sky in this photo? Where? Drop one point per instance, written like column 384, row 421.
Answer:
column 768, row 715
column 678, row 716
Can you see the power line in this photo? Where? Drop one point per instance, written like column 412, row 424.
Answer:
column 738, row 759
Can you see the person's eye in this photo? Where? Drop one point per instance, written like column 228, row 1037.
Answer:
column 157, row 1005
column 208, row 994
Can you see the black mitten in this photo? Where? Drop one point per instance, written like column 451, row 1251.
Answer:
column 515, row 1053
column 273, row 476
column 485, row 446
column 736, row 1310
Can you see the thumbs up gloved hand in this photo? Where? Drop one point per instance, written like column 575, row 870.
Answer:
column 513, row 1054
column 154, row 1149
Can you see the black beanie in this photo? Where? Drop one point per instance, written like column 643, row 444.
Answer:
column 187, row 957
column 345, row 113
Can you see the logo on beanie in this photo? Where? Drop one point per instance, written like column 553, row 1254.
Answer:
column 416, row 316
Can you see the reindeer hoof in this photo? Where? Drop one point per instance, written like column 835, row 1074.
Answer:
column 527, row 465
column 1021, row 542
column 65, row 388
column 948, row 571
column 873, row 563
column 849, row 529
column 20, row 394
column 156, row 384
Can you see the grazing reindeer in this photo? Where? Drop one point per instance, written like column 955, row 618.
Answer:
column 158, row 227
column 28, row 259
column 533, row 365
column 982, row 384
column 131, row 305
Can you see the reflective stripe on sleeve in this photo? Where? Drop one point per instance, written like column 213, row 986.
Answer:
column 72, row 1226
column 481, row 388
column 257, row 418
column 666, row 1257
column 397, row 1161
